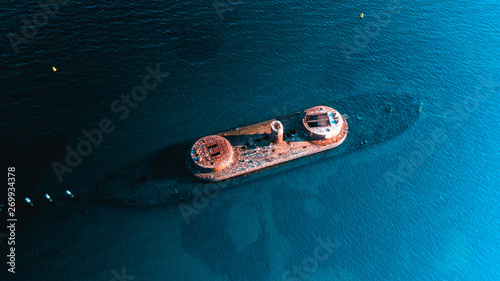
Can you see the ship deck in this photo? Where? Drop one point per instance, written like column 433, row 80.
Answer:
column 253, row 149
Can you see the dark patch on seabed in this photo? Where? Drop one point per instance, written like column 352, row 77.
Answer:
column 161, row 176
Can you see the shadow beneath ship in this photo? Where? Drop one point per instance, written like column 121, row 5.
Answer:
column 162, row 177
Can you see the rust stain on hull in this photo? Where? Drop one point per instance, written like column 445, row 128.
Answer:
column 265, row 144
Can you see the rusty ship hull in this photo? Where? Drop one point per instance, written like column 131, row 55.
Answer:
column 253, row 147
column 169, row 175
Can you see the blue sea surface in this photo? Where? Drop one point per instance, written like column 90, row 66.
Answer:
column 423, row 206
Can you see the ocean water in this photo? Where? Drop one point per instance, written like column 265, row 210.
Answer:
column 423, row 206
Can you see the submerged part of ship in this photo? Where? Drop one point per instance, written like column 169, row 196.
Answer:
column 175, row 173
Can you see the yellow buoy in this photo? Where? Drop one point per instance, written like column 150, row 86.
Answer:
column 361, row 16
column 54, row 69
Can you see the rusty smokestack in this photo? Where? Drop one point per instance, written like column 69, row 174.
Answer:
column 276, row 132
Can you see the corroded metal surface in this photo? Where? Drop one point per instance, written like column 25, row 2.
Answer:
column 322, row 122
column 255, row 146
column 212, row 153
column 342, row 133
column 276, row 132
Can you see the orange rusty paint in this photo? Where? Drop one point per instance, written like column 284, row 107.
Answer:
column 276, row 132
column 321, row 122
column 340, row 137
column 212, row 153
column 254, row 147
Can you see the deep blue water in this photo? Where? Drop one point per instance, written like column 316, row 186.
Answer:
column 232, row 68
